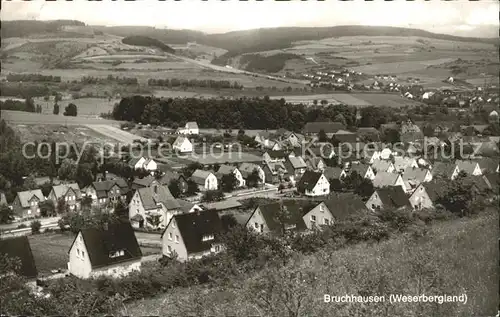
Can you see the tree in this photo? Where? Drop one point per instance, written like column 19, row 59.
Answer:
column 253, row 180
column 428, row 130
column 47, row 208
column 154, row 220
column 86, row 203
column 62, row 207
column 315, row 102
column 340, row 118
column 70, row 110
column 365, row 188
column 6, row 214
column 228, row 182
column 336, row 185
column 212, row 195
column 35, row 227
column 324, row 102
column 174, row 187
column 391, row 136
column 192, row 188
column 121, row 210
column 56, row 109
column 241, row 132
column 67, row 170
column 322, row 137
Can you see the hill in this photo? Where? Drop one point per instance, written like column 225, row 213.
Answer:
column 21, row 28
column 147, row 41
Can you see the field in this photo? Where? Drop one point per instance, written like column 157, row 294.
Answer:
column 221, row 158
column 59, row 133
column 123, row 137
column 50, row 250
column 20, row 117
column 87, row 107
column 455, row 257
column 354, row 99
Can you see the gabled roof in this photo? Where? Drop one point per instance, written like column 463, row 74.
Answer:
column 224, row 170
column 276, row 167
column 309, row 180
column 297, row 162
column 368, row 131
column 313, row 162
column 193, row 226
column 393, row 197
column 414, row 173
column 61, row 190
column 466, row 166
column 26, row 196
column 179, row 141
column 493, row 180
column 295, row 210
column 345, row 137
column 443, row 168
column 381, row 165
column 278, row 154
column 435, row 188
column 150, row 199
column 143, row 182
column 100, row 243
column 184, row 205
column 332, row 172
column 344, row 205
column 199, row 176
column 383, row 179
column 169, row 176
column 248, row 168
column 360, row 168
column 401, row 162
column 19, row 247
column 327, row 127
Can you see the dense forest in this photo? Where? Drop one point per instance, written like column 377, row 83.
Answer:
column 246, row 113
column 20, row 28
column 269, row 64
column 147, row 41
column 203, row 83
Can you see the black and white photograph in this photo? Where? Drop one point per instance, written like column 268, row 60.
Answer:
column 249, row 158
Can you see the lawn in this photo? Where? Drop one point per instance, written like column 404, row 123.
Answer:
column 455, row 257
column 354, row 99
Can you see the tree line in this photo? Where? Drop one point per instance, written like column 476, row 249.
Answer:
column 110, row 78
column 203, row 83
column 33, row 78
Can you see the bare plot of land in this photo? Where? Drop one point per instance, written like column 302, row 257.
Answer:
column 115, row 133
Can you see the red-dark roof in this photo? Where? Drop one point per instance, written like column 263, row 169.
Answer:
column 327, row 127
column 193, row 226
column 19, row 248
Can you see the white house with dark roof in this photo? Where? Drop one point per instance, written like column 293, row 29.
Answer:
column 144, row 163
column 363, row 170
column 380, row 165
column 264, row 218
column 420, row 199
column 156, row 200
column 416, row 175
column 205, row 180
column 193, row 235
column 469, row 167
column 19, row 247
column 401, row 163
column 296, row 167
column 246, row 169
column 27, row 203
column 190, row 128
column 389, row 197
column 229, row 169
column 182, row 145
column 110, row 251
column 313, row 184
column 105, row 192
column 69, row 192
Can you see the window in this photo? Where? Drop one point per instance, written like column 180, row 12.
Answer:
column 78, row 252
column 326, row 221
column 256, row 225
column 169, row 249
column 173, row 224
column 83, row 254
column 208, row 237
column 170, row 236
column 217, row 248
column 313, row 218
column 176, row 239
column 321, row 208
column 116, row 254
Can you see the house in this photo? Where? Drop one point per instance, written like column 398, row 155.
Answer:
column 143, row 182
column 275, row 172
column 192, row 235
column 445, row 169
column 369, row 156
column 274, row 156
column 325, row 151
column 469, row 167
column 229, row 169
column 19, row 248
column 296, row 167
column 316, row 164
column 110, row 251
column 313, row 184
column 69, row 192
column 417, row 175
column 190, row 128
column 335, row 208
column 363, row 170
column 380, row 165
column 313, row 128
column 3, row 199
column 156, row 200
column 265, row 218
column 205, row 180
column 334, row 173
column 105, row 192
column 383, row 179
column 170, row 176
column 187, row 207
column 390, row 197
column 401, row 163
column 182, row 145
column 342, row 136
column 246, row 169
column 293, row 139
column 27, row 203
column 420, row 199
column 143, row 163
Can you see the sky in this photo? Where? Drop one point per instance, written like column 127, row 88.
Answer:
column 215, row 16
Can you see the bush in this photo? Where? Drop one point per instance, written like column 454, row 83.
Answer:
column 22, row 226
column 35, row 227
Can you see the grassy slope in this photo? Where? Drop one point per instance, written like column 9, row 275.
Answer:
column 459, row 256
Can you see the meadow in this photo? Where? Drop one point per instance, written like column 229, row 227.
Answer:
column 454, row 257
column 353, row 99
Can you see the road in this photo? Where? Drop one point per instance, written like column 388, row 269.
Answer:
column 115, row 133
